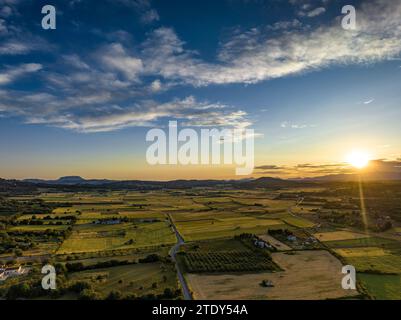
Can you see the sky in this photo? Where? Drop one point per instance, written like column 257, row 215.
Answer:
column 80, row 99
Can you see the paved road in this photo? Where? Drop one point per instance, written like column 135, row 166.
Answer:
column 173, row 254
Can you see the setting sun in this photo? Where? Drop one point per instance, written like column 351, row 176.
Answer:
column 358, row 159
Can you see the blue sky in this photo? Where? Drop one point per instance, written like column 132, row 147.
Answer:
column 80, row 99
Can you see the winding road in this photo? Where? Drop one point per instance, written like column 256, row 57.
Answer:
column 173, row 254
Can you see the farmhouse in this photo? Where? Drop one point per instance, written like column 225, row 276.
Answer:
column 292, row 238
column 10, row 272
column 312, row 240
column 262, row 244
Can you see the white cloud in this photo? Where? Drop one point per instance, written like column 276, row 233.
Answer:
column 43, row 108
column 281, row 25
column 12, row 47
column 257, row 55
column 18, row 42
column 156, row 86
column 75, row 61
column 116, row 58
column 313, row 13
column 11, row 73
column 287, row 124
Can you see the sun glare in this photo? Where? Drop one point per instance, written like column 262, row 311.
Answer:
column 358, row 159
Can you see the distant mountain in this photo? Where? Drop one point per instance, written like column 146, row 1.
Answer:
column 71, row 183
column 265, row 182
column 269, row 182
column 70, row 180
column 16, row 187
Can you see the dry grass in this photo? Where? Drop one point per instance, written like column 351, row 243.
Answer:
column 361, row 252
column 308, row 275
column 339, row 235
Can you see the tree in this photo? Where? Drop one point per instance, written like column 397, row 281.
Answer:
column 89, row 294
column 168, row 293
column 80, row 286
column 21, row 290
column 114, row 295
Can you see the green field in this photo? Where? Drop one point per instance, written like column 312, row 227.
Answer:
column 226, row 227
column 363, row 242
column 298, row 222
column 382, row 287
column 89, row 238
column 28, row 228
column 389, row 263
column 228, row 261
column 231, row 255
column 137, row 279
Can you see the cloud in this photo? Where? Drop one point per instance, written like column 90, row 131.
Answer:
column 312, row 13
column 75, row 61
column 15, row 41
column 156, row 86
column 368, row 101
column 386, row 166
column 269, row 167
column 116, row 58
column 12, row 73
column 150, row 16
column 256, row 55
column 3, row 26
column 283, row 25
column 43, row 108
column 8, row 8
column 143, row 7
column 306, row 170
column 321, row 166
column 189, row 111
column 287, row 124
column 12, row 47
column 375, row 168
column 6, row 12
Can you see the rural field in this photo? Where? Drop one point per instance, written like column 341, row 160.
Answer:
column 201, row 243
column 307, row 275
column 150, row 278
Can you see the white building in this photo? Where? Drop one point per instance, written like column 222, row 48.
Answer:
column 10, row 272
